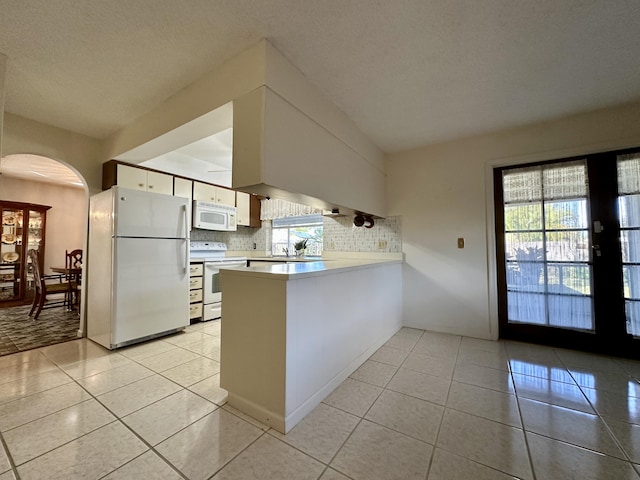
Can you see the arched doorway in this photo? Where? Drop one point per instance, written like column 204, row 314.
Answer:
column 60, row 192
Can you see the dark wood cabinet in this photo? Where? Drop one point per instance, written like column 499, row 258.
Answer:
column 23, row 228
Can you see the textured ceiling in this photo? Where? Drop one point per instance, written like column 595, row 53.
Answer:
column 408, row 72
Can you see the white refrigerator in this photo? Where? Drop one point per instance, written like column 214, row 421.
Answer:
column 138, row 266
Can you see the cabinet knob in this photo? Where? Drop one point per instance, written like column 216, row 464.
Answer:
column 141, row 184
column 150, row 186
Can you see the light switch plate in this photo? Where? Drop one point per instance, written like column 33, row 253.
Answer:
column 460, row 242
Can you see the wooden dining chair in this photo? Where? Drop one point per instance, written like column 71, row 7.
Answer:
column 73, row 259
column 46, row 285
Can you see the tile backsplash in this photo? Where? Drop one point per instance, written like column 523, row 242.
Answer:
column 242, row 239
column 340, row 235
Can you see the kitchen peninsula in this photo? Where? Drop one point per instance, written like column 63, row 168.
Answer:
column 293, row 332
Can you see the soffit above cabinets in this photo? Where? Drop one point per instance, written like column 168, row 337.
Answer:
column 201, row 149
column 209, row 159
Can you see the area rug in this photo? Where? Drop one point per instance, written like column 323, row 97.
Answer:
column 19, row 331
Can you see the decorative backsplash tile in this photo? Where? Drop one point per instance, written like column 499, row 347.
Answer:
column 242, row 239
column 340, row 235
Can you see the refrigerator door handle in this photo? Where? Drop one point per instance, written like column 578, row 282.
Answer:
column 186, row 221
column 186, row 255
column 186, row 237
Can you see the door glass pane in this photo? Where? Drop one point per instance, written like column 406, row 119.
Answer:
column 630, row 244
column 526, row 308
column 565, row 214
column 632, row 308
column 569, row 278
column 628, row 167
column 570, row 311
column 547, row 250
column 523, row 216
column 524, row 246
column 568, row 246
column 629, row 210
column 631, row 277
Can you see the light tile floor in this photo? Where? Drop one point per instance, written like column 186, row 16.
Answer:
column 424, row 406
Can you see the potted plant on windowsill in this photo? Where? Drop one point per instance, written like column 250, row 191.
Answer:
column 300, row 247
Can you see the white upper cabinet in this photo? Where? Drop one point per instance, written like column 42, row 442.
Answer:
column 248, row 210
column 160, row 183
column 244, row 208
column 130, row 176
column 213, row 194
column 140, row 179
column 184, row 188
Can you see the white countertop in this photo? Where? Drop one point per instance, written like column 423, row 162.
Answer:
column 286, row 271
column 285, row 259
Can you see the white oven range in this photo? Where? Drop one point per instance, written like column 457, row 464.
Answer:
column 213, row 254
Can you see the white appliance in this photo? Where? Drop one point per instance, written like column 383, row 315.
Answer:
column 214, row 216
column 138, row 270
column 213, row 254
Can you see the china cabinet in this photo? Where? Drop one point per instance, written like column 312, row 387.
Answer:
column 23, row 228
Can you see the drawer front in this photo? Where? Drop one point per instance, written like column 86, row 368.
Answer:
column 195, row 282
column 195, row 269
column 195, row 296
column 195, row 310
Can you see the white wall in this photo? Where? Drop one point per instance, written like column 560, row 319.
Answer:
column 3, row 72
column 66, row 219
column 79, row 152
column 444, row 192
column 236, row 77
column 290, row 142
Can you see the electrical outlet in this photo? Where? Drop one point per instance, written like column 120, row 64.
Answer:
column 382, row 244
column 460, row 242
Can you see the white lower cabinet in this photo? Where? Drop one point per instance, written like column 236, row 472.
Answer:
column 195, row 290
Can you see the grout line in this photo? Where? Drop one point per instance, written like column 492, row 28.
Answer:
column 444, row 411
column 600, row 418
column 237, row 455
column 524, row 432
column 14, row 467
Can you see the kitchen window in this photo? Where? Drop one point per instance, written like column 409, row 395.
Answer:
column 287, row 231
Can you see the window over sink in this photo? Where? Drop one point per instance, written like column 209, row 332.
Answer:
column 288, row 231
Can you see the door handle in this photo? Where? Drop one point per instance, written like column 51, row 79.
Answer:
column 596, row 248
column 597, row 226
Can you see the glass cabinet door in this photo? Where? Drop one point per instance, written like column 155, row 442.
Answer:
column 34, row 242
column 10, row 253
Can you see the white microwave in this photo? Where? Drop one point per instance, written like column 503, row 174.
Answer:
column 214, row 216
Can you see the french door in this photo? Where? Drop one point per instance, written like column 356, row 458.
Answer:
column 568, row 252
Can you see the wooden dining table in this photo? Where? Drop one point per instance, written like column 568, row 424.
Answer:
column 73, row 274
